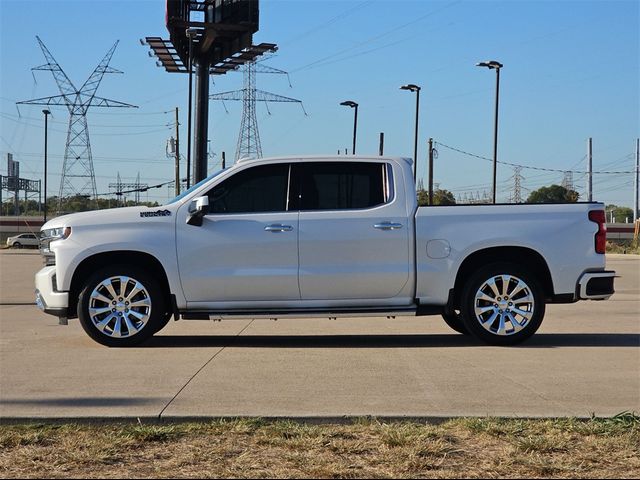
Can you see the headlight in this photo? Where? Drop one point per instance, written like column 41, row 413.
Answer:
column 49, row 235
column 59, row 233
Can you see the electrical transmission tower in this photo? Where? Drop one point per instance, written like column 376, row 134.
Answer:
column 517, row 185
column 78, row 176
column 119, row 186
column 249, row 137
column 470, row 198
column 567, row 180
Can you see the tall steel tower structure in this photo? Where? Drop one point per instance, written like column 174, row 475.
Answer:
column 78, row 177
column 249, row 138
column 517, row 184
column 567, row 180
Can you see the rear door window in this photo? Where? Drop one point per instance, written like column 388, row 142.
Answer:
column 341, row 185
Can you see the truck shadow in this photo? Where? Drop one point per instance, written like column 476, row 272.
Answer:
column 541, row 340
column 83, row 402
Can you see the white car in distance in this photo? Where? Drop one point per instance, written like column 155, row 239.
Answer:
column 23, row 240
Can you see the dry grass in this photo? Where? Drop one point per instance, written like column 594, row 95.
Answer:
column 251, row 448
column 623, row 246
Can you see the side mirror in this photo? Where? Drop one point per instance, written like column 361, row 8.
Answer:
column 198, row 208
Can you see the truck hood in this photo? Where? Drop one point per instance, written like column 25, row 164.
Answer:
column 111, row 216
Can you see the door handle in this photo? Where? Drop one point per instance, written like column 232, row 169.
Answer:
column 278, row 228
column 387, row 226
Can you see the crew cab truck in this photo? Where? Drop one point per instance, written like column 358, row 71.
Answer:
column 320, row 236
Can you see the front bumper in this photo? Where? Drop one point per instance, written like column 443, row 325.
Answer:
column 48, row 299
column 596, row 285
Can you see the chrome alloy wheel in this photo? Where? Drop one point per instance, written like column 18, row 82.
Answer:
column 119, row 306
column 504, row 305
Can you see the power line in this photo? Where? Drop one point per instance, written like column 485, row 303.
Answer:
column 369, row 40
column 325, row 24
column 168, row 125
column 526, row 166
column 20, row 118
column 143, row 189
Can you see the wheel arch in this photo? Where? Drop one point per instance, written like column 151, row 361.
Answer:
column 130, row 257
column 524, row 257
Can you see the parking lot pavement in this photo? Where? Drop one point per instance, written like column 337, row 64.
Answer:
column 584, row 360
column 17, row 269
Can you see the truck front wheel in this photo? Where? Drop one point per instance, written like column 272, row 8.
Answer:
column 502, row 304
column 121, row 306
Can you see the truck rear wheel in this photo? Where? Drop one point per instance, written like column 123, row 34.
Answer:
column 121, row 306
column 454, row 320
column 502, row 304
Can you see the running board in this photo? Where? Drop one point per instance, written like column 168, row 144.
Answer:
column 311, row 313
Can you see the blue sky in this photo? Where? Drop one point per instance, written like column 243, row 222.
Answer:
column 571, row 71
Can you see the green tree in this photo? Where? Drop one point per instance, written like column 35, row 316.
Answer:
column 440, row 197
column 553, row 194
column 619, row 214
column 78, row 203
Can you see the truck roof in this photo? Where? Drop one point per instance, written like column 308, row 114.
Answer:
column 329, row 158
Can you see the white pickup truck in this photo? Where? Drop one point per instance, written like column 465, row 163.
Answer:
column 320, row 236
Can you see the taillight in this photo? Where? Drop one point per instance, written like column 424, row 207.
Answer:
column 597, row 216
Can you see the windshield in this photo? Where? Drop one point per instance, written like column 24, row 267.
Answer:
column 194, row 187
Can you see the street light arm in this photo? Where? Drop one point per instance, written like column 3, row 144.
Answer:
column 490, row 64
column 411, row 87
column 349, row 103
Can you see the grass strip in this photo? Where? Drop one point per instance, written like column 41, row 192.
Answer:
column 364, row 448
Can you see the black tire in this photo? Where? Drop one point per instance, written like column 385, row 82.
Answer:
column 502, row 320
column 163, row 322
column 16, row 245
column 146, row 313
column 454, row 320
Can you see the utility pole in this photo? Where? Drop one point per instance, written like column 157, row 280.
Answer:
column 224, row 160
column 191, row 33
column 201, row 121
column 177, row 172
column 494, row 65
column 636, row 186
column 381, row 146
column 589, row 172
column 430, row 171
column 46, row 112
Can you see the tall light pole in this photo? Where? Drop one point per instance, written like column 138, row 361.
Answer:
column 191, row 33
column 636, row 184
column 414, row 88
column 494, row 65
column 46, row 128
column 354, row 105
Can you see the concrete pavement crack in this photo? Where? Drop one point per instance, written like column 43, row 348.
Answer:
column 202, row 368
